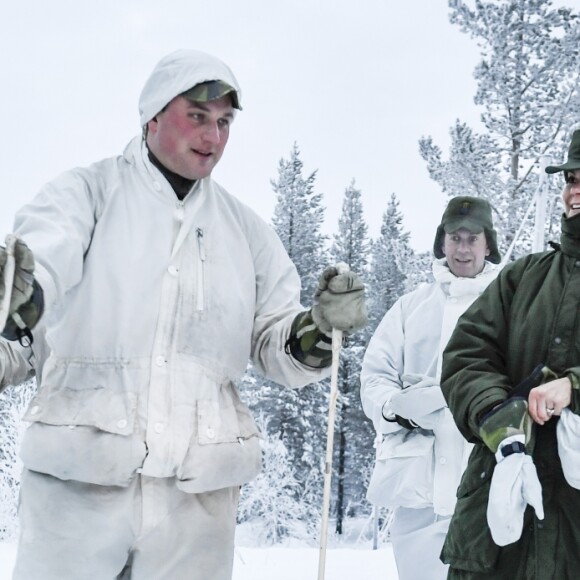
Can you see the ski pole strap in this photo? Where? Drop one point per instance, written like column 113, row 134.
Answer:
column 513, row 447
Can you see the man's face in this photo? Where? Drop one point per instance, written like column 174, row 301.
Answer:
column 465, row 252
column 571, row 193
column 189, row 137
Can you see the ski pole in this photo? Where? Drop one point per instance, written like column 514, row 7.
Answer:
column 341, row 268
column 8, row 276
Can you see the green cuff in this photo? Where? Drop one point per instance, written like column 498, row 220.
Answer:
column 574, row 375
column 508, row 419
column 308, row 344
column 19, row 325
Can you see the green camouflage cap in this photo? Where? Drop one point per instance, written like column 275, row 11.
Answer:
column 573, row 161
column 210, row 91
column 472, row 214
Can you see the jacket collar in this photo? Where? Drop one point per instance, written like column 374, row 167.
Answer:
column 454, row 286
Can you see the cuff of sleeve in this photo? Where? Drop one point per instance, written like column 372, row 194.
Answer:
column 574, row 375
column 387, row 413
column 308, row 344
column 20, row 323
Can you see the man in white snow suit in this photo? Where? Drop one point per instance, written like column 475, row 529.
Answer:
column 156, row 286
column 420, row 453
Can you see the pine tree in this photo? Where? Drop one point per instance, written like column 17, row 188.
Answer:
column 298, row 217
column 392, row 257
column 528, row 86
column 297, row 415
column 354, row 433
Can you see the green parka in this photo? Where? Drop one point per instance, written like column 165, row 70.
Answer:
column 529, row 315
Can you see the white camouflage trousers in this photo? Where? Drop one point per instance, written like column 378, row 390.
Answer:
column 148, row 531
column 417, row 536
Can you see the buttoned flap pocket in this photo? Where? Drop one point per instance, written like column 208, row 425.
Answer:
column 89, row 393
column 403, row 472
column 405, row 443
column 224, row 419
column 225, row 448
column 82, row 453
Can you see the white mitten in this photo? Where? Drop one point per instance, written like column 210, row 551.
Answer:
column 568, row 434
column 514, row 485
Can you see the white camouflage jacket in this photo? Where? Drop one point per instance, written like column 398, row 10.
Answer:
column 153, row 308
column 410, row 341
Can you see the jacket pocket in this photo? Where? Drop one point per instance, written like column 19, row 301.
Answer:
column 469, row 545
column 82, row 454
column 224, row 450
column 403, row 472
column 100, row 394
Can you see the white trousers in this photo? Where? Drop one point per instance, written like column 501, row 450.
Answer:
column 148, row 531
column 417, row 536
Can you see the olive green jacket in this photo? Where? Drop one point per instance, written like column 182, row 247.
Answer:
column 529, row 315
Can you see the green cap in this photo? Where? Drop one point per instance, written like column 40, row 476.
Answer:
column 573, row 161
column 210, row 91
column 472, row 214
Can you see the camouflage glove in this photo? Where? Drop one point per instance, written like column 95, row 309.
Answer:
column 26, row 301
column 339, row 302
column 514, row 484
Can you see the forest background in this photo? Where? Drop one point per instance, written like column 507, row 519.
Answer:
column 528, row 92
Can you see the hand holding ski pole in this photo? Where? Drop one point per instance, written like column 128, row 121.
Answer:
column 339, row 301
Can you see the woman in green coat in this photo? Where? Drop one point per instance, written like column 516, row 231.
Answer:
column 530, row 315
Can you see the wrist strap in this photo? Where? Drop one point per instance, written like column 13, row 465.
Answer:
column 513, row 447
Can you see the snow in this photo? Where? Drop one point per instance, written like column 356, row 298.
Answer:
column 289, row 563
column 302, row 563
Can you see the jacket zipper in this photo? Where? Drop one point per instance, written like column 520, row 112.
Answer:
column 200, row 271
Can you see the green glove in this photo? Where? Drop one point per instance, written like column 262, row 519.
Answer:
column 339, row 302
column 508, row 422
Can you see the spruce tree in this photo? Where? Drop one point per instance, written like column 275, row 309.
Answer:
column 354, row 432
column 297, row 415
column 392, row 259
column 298, row 217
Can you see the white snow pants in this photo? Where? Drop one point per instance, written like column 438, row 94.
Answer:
column 148, row 531
column 417, row 536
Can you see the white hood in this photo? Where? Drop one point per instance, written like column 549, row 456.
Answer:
column 176, row 73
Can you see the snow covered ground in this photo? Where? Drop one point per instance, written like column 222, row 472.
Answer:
column 287, row 563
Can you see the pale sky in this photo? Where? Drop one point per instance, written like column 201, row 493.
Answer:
column 355, row 84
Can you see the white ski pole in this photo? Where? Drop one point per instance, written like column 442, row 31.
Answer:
column 8, row 276
column 341, row 268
